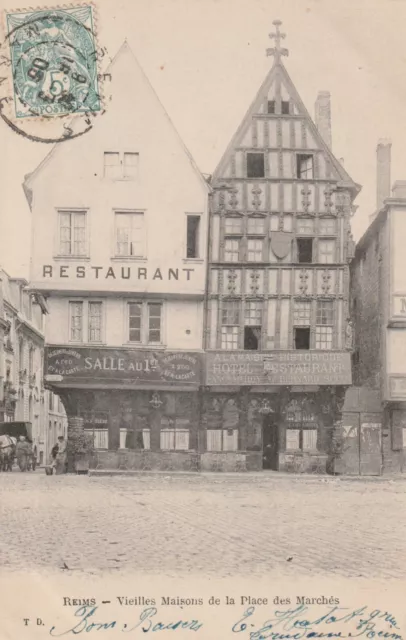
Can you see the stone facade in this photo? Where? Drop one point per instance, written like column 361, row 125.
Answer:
column 378, row 288
column 21, row 357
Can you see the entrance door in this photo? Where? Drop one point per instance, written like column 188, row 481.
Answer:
column 370, row 445
column 270, row 443
column 362, row 454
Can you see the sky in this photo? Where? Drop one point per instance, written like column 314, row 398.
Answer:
column 206, row 60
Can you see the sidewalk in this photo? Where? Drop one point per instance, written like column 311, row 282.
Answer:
column 262, row 475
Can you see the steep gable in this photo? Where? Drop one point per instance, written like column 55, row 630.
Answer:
column 277, row 121
column 133, row 112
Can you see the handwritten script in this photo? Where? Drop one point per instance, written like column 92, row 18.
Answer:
column 292, row 623
column 337, row 622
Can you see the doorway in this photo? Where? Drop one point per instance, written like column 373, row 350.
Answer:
column 270, row 443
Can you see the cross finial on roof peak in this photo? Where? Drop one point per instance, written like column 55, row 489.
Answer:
column 277, row 51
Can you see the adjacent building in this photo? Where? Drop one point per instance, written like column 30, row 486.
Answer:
column 278, row 336
column 22, row 393
column 376, row 425
column 119, row 253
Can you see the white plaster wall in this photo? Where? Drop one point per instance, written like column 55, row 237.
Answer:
column 167, row 188
column 182, row 324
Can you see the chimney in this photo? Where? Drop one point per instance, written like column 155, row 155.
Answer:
column 383, row 160
column 323, row 116
column 399, row 190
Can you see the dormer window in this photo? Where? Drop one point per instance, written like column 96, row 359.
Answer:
column 255, row 165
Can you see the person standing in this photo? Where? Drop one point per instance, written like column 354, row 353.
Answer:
column 60, row 459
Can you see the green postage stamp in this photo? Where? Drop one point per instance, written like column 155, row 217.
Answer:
column 53, row 56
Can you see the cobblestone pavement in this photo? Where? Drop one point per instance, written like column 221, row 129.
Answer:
column 221, row 525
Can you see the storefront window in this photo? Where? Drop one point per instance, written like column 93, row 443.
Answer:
column 301, row 431
column 174, row 436
column 100, row 438
column 96, row 423
column 139, row 440
column 222, row 440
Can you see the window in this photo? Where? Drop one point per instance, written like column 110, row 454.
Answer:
column 232, row 225
column 304, row 166
column 96, row 423
column 256, row 226
column 253, row 313
column 231, row 250
column 304, row 250
column 327, row 226
column 174, row 436
column 76, row 321
column 324, row 312
column 134, row 318
column 230, row 321
column 301, row 432
column 324, row 324
column 255, row 165
column 130, row 166
column 305, row 226
column 31, row 361
column 112, row 166
column 271, row 106
column 222, row 439
column 285, row 107
column 85, row 314
column 51, row 401
column 154, row 322
column 327, row 251
column 252, row 325
column 301, row 322
column 255, row 248
column 21, row 355
column 72, row 233
column 301, row 313
column 95, row 321
column 192, row 236
column 119, row 166
column 302, row 338
column 138, row 439
column 145, row 322
column 101, row 438
column 130, row 234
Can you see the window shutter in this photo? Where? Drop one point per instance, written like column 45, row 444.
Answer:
column 398, row 423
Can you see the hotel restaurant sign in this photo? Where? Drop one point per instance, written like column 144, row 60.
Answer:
column 278, row 368
column 69, row 364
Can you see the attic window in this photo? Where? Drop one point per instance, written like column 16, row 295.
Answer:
column 304, row 166
column 285, row 107
column 271, row 106
column 255, row 165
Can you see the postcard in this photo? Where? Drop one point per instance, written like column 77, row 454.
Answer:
column 202, row 319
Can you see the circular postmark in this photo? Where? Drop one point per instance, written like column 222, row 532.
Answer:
column 51, row 92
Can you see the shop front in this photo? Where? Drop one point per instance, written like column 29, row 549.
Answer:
column 141, row 407
column 273, row 410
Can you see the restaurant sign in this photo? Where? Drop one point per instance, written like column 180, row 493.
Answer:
column 129, row 365
column 278, row 368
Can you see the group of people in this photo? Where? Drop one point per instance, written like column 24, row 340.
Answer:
column 59, row 457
